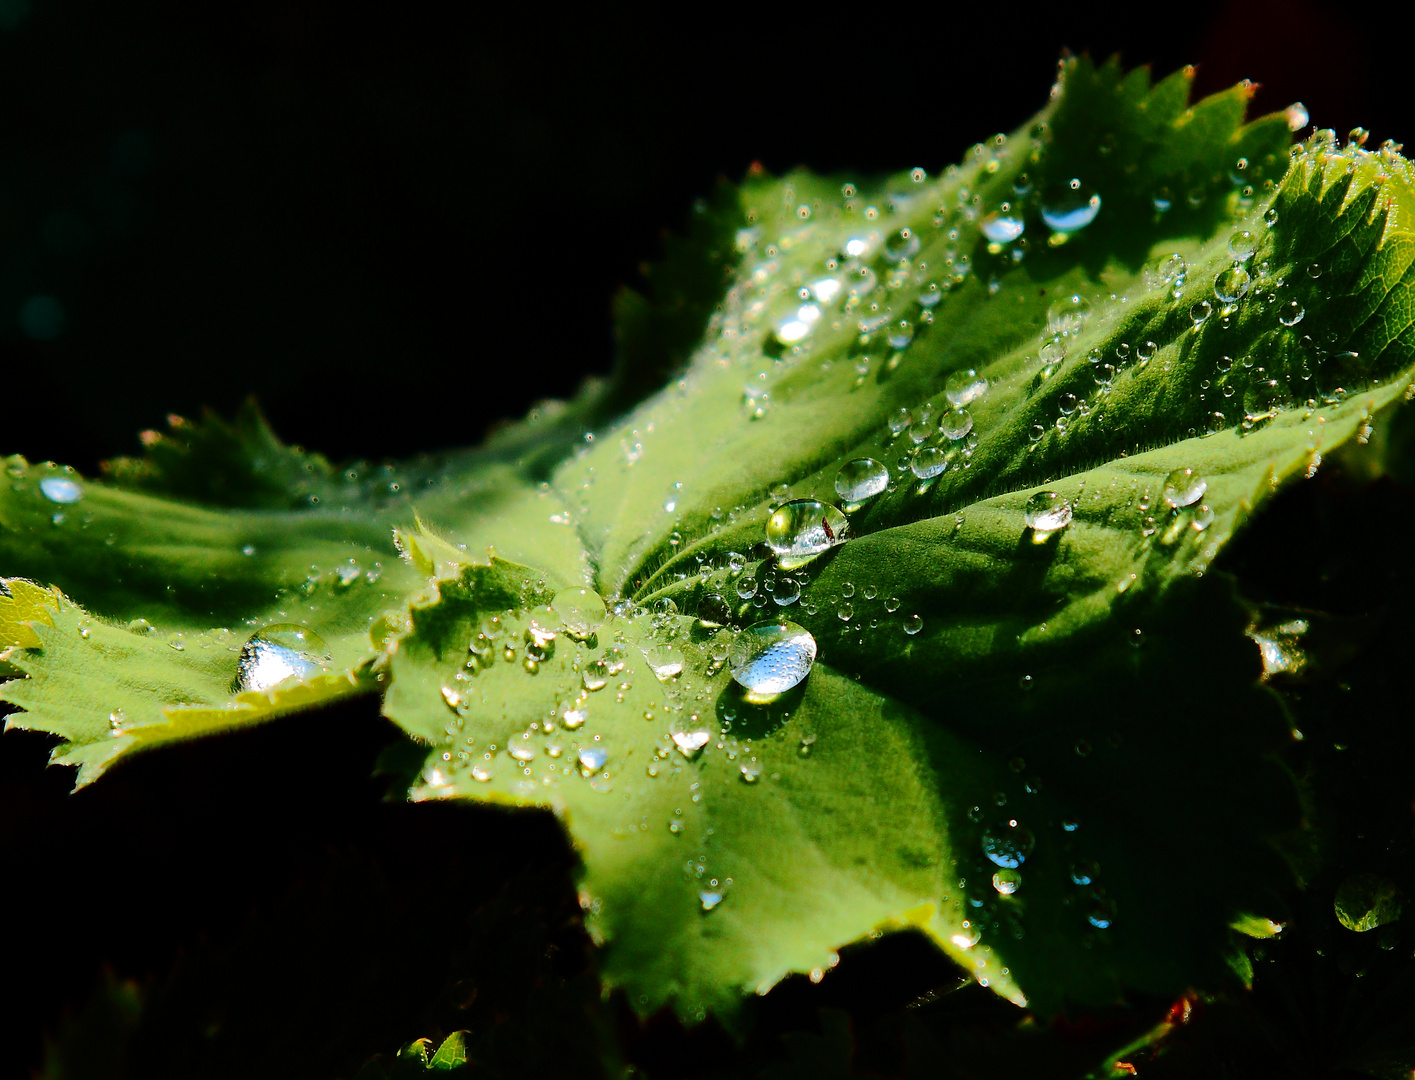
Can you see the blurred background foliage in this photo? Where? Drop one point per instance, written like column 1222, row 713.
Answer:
column 398, row 225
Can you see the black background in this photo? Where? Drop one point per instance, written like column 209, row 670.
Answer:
column 396, row 225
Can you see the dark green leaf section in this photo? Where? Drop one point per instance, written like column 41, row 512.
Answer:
column 657, row 330
column 239, row 464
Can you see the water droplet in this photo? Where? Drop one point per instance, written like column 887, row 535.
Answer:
column 1270, row 215
column 1145, row 351
column 861, row 479
column 1007, row 845
column 786, row 592
column 1242, row 245
column 913, row 624
column 1002, row 227
column 1291, row 313
column 574, row 718
column 1184, row 487
column 665, row 661
column 595, row 675
column 899, row 334
column 1232, row 284
column 60, row 489
column 1261, row 400
column 891, row 605
column 964, row 387
column 581, row 611
column 280, row 652
column 690, row 735
column 1203, row 518
column 1066, row 316
column 1102, row 912
column 927, row 461
column 1071, row 208
column 713, row 610
column 1007, row 881
column 901, row 245
column 771, row 657
column 1200, row 311
column 802, row 529
column 1366, row 901
column 592, row 759
column 708, row 898
column 1297, row 116
column 1047, row 511
column 751, row 770
column 139, row 626
column 747, row 586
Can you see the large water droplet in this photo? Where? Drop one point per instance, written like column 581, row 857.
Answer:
column 581, row 611
column 592, row 759
column 803, row 528
column 280, row 652
column 713, row 610
column 1002, row 228
column 1008, row 845
column 1046, row 511
column 1184, row 487
column 1366, row 901
column 1297, row 116
column 1071, row 208
column 927, row 461
column 1007, row 882
column 665, row 661
column 60, row 489
column 1291, row 313
column 1241, row 245
column 1232, row 284
column 1066, row 316
column 963, row 387
column 955, row 424
column 861, row 479
column 771, row 657
column 690, row 735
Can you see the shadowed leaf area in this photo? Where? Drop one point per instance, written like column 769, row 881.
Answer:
column 908, row 604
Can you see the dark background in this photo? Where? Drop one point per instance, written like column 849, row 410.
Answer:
column 396, row 225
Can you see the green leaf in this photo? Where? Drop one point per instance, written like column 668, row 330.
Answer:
column 1091, row 657
column 1169, row 316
